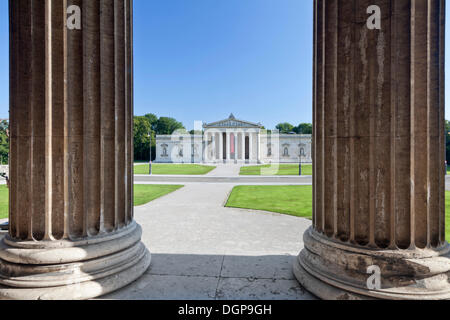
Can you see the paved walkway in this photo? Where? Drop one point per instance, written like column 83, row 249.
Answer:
column 225, row 170
column 201, row 250
column 252, row 180
column 447, row 182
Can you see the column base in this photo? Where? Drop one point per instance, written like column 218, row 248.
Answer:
column 65, row 270
column 336, row 271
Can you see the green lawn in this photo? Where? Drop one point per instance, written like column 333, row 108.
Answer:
column 145, row 193
column 174, row 169
column 4, row 202
column 291, row 200
column 281, row 170
column 142, row 194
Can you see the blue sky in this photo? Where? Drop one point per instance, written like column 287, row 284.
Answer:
column 203, row 59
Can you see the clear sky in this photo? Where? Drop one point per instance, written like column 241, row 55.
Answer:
column 203, row 59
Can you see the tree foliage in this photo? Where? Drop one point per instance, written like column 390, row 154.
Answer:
column 285, row 128
column 447, row 145
column 4, row 141
column 166, row 125
column 152, row 119
column 150, row 124
column 141, row 131
column 304, row 128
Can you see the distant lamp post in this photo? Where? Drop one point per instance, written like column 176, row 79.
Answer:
column 300, row 165
column 300, row 156
column 150, row 161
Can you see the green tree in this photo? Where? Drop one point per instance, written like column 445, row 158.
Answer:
column 149, row 123
column 285, row 127
column 447, row 145
column 304, row 128
column 153, row 120
column 167, row 125
column 4, row 141
column 141, row 130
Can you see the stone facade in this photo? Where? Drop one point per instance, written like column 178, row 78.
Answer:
column 233, row 141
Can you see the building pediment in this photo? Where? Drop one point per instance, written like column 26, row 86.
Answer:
column 232, row 122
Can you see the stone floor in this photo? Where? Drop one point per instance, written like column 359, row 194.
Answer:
column 201, row 250
column 447, row 183
column 225, row 170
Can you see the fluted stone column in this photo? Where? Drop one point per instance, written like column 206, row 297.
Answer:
column 208, row 147
column 205, row 147
column 220, row 147
column 250, row 146
column 214, row 157
column 228, row 146
column 258, row 141
column 236, row 149
column 72, row 233
column 378, row 153
column 243, row 146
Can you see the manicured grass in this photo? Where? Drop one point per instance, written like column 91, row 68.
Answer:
column 142, row 194
column 145, row 193
column 274, row 170
column 4, row 202
column 292, row 200
column 174, row 169
column 447, row 215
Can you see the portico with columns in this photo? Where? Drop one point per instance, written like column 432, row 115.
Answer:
column 232, row 141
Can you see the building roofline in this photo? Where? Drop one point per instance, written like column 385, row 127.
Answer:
column 231, row 117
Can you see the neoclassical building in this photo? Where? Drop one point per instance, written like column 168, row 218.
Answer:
column 233, row 141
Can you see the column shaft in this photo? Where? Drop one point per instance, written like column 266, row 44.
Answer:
column 228, row 150
column 214, row 148
column 205, row 147
column 243, row 145
column 258, row 135
column 221, row 146
column 236, row 149
column 61, row 147
column 250, row 146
